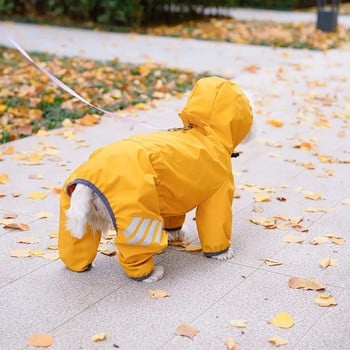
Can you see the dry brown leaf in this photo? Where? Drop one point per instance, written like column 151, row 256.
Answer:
column 325, row 300
column 186, row 331
column 319, row 240
column 157, row 294
column 43, row 215
column 17, row 226
column 99, row 336
column 283, row 320
column 338, row 240
column 183, row 244
column 296, row 283
column 40, row 340
column 52, row 247
column 2, row 195
column 278, row 341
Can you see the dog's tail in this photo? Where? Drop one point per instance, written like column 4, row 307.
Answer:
column 79, row 210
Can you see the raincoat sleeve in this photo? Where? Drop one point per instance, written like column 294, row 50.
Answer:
column 76, row 254
column 214, row 220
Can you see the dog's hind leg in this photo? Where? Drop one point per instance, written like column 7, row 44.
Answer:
column 79, row 212
column 157, row 274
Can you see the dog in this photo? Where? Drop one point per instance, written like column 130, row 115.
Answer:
column 143, row 186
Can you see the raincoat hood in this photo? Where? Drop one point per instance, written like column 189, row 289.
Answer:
column 220, row 107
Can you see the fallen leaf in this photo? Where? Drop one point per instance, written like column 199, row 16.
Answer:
column 17, row 226
column 271, row 262
column 52, row 247
column 325, row 262
column 231, row 344
column 43, row 215
column 278, row 341
column 319, row 240
column 346, row 201
column 296, row 283
column 2, row 195
column 108, row 252
column 10, row 216
column 186, row 331
column 239, row 323
column 20, row 253
column 36, row 252
column 99, row 336
column 312, row 196
column 28, row 240
column 192, row 248
column 50, row 256
column 338, row 240
column 325, row 300
column 53, row 235
column 275, row 122
column 316, row 210
column 16, row 194
column 36, row 176
column 281, row 199
column 4, row 179
column 283, row 320
column 37, row 195
column 293, row 239
column 40, row 340
column 262, row 197
column 158, row 294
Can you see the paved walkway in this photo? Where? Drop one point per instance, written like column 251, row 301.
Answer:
column 301, row 166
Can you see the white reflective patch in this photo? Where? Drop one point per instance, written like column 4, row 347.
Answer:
column 131, row 228
column 159, row 232
column 151, row 232
column 140, row 232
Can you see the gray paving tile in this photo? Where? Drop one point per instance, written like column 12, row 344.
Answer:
column 257, row 300
column 132, row 319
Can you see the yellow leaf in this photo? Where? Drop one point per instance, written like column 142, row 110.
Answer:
column 37, row 195
column 40, row 340
column 346, row 201
column 158, row 294
column 4, row 179
column 283, row 320
column 141, row 106
column 319, row 240
column 278, row 341
column 312, row 196
column 28, row 240
column 67, row 123
column 43, row 215
column 186, row 331
column 239, row 323
column 316, row 210
column 325, row 262
column 52, row 247
column 338, row 240
column 50, row 256
column 53, row 235
column 192, row 248
column 275, row 122
column 307, row 284
column 36, row 252
column 231, row 344
column 325, row 300
column 99, row 336
column 262, row 197
column 20, row 253
column 293, row 239
column 271, row 262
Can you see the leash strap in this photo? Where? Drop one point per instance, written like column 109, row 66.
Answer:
column 69, row 90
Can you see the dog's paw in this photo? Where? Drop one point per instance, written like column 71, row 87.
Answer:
column 224, row 256
column 157, row 274
column 177, row 235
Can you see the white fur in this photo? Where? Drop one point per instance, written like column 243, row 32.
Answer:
column 224, row 256
column 157, row 274
column 177, row 235
column 86, row 208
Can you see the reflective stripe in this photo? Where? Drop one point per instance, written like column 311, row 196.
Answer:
column 140, row 232
column 159, row 233
column 151, row 233
column 131, row 229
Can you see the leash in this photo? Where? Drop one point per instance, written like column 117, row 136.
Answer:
column 69, row 90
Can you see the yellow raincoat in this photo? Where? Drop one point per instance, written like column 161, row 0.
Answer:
column 149, row 182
